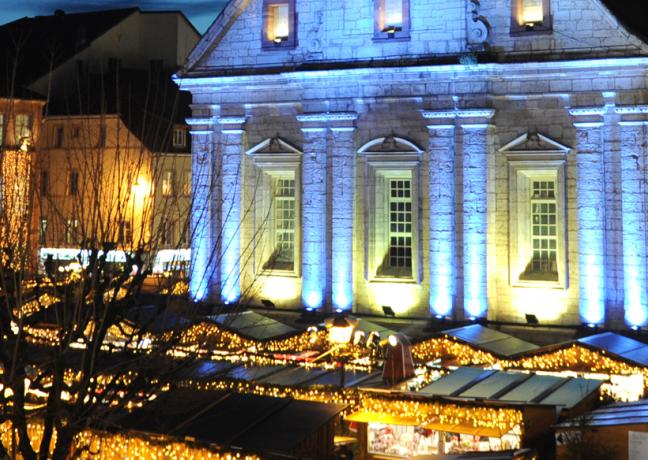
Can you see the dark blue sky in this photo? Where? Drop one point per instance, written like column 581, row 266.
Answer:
column 200, row 12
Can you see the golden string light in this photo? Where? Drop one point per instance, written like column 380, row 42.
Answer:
column 447, row 349
column 576, row 358
column 100, row 445
column 422, row 412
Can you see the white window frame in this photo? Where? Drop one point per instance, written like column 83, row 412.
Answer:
column 186, row 184
column 71, row 230
column 42, row 231
column 526, row 165
column 22, row 130
column 274, row 159
column 179, row 137
column 400, row 161
column 167, row 183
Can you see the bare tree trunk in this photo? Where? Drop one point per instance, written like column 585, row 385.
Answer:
column 64, row 438
column 19, row 419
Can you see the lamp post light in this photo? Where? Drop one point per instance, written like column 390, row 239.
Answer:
column 340, row 332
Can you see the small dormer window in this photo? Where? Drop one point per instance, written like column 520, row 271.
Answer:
column 531, row 16
column 279, row 24
column 179, row 138
column 391, row 19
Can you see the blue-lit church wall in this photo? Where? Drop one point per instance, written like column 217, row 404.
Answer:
column 524, row 183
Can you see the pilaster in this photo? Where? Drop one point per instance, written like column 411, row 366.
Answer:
column 477, row 145
column 442, row 196
column 590, row 175
column 314, row 196
column 203, row 269
column 634, row 190
column 231, row 180
column 342, row 203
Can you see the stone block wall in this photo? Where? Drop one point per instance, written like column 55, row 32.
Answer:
column 552, row 99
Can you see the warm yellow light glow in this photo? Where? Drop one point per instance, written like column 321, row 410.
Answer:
column 400, row 296
column 279, row 289
column 545, row 303
column 278, row 22
column 340, row 331
column 141, row 189
column 532, row 12
column 392, row 15
column 393, row 340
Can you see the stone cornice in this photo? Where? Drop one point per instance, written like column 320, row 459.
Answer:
column 327, row 117
column 231, row 120
column 587, row 111
column 200, row 121
column 460, row 113
column 631, row 109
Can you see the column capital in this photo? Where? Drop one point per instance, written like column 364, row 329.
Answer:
column 333, row 120
column 441, row 119
column 232, row 125
column 200, row 125
column 632, row 114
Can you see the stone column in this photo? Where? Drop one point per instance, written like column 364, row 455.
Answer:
column 441, row 176
column 634, row 192
column 231, row 181
column 203, row 269
column 477, row 146
column 314, row 194
column 342, row 201
column 590, row 180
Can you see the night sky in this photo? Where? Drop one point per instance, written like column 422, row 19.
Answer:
column 200, row 12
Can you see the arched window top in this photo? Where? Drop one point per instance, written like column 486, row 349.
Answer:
column 390, row 145
column 274, row 149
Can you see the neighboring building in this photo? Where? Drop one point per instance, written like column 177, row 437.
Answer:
column 20, row 130
column 464, row 159
column 51, row 51
column 114, row 127
column 108, row 173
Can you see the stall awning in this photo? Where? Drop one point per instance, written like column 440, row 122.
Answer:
column 376, row 417
column 466, row 429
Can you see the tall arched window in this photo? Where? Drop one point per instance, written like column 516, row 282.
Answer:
column 392, row 204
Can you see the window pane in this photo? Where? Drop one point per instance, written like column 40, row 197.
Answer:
column 22, row 127
column 544, row 229
column 278, row 22
column 400, row 227
column 532, row 11
column 282, row 257
column 167, row 183
column 393, row 14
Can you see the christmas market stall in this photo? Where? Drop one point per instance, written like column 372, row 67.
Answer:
column 468, row 410
column 471, row 345
column 618, row 431
column 620, row 362
column 270, row 427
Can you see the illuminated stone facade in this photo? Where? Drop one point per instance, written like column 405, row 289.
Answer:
column 465, row 162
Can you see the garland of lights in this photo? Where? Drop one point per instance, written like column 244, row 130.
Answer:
column 576, row 357
column 346, row 396
column 100, row 445
column 446, row 348
column 502, row 419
